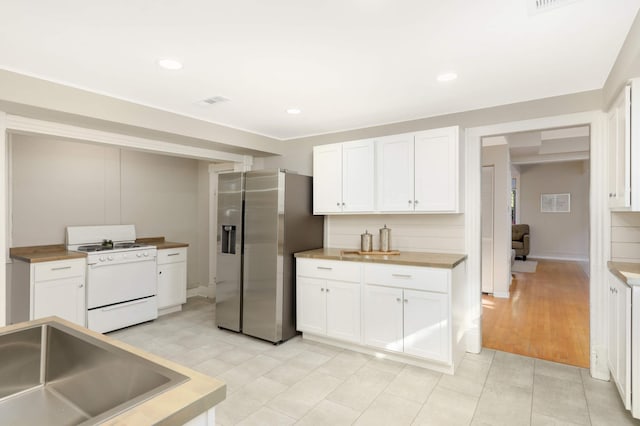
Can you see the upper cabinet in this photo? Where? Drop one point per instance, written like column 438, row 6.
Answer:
column 408, row 173
column 624, row 150
column 343, row 176
column 419, row 172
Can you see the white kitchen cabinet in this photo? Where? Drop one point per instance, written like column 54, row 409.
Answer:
column 619, row 346
column 411, row 313
column 42, row 289
column 383, row 318
column 172, row 279
column 326, row 305
column 419, row 172
column 411, row 321
column 343, row 178
column 619, row 135
column 437, row 170
column 327, row 179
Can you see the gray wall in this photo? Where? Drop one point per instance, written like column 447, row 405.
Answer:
column 58, row 183
column 556, row 235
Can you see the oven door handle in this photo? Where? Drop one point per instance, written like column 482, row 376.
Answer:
column 123, row 305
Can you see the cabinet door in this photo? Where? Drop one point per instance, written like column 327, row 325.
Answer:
column 436, row 170
column 327, row 179
column 172, row 284
column 619, row 132
column 383, row 317
column 310, row 305
column 358, row 176
column 426, row 325
column 622, row 352
column 394, row 173
column 64, row 298
column 343, row 310
column 612, row 347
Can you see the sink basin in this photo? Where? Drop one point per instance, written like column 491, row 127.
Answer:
column 54, row 375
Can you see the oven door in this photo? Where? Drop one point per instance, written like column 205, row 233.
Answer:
column 120, row 282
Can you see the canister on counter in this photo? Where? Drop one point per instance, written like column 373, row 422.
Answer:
column 385, row 239
column 366, row 241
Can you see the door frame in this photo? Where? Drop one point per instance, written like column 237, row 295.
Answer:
column 599, row 227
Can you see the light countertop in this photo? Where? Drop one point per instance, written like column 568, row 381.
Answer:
column 629, row 273
column 174, row 406
column 409, row 258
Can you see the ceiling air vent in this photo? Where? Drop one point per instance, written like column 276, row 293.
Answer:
column 213, row 100
column 538, row 6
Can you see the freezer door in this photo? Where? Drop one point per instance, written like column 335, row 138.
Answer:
column 263, row 270
column 229, row 251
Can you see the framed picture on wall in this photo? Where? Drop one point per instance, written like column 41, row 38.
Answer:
column 555, row 203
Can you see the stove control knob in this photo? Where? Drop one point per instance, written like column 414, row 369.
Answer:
column 110, row 257
column 101, row 259
column 139, row 254
column 145, row 254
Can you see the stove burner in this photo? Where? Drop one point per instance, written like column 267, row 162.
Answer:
column 126, row 245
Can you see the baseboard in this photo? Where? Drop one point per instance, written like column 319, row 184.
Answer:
column 169, row 310
column 201, row 291
column 533, row 256
column 501, row 294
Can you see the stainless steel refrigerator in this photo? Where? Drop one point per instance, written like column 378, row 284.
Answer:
column 263, row 218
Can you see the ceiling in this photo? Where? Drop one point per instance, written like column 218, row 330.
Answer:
column 345, row 63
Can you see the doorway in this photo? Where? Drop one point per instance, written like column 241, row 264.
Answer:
column 538, row 307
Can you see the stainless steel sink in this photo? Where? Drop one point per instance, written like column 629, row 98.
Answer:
column 54, row 375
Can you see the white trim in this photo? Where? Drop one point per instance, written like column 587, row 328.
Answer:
column 501, row 294
column 534, row 256
column 3, row 219
column 200, row 291
column 599, row 231
column 24, row 125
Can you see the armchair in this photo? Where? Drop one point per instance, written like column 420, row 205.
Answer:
column 520, row 240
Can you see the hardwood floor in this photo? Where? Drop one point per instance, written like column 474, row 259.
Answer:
column 546, row 315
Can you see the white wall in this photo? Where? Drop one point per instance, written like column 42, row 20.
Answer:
column 625, row 237
column 498, row 157
column 433, row 233
column 58, row 183
column 556, row 235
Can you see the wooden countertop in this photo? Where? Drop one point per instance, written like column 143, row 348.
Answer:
column 50, row 253
column 160, row 243
column 176, row 406
column 409, row 258
column 629, row 273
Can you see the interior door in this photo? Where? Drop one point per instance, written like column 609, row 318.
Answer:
column 487, row 201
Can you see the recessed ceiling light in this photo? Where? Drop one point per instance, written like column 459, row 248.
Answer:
column 294, row 111
column 447, row 76
column 170, row 64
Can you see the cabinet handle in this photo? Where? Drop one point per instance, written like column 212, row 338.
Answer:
column 159, row 272
column 81, row 285
column 322, row 289
column 173, row 254
column 343, row 204
column 338, row 204
column 61, row 268
column 410, row 201
column 401, row 275
column 397, row 299
column 406, row 300
column 327, row 290
column 324, row 268
column 415, row 202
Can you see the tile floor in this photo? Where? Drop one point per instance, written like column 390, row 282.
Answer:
column 305, row 383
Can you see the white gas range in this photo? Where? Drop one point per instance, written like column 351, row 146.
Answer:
column 121, row 275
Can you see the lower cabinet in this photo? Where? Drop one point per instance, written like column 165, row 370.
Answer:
column 619, row 345
column 409, row 321
column 172, row 278
column 64, row 298
column 330, row 308
column 405, row 311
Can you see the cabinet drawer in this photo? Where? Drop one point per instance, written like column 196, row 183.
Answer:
column 329, row 269
column 412, row 277
column 172, row 255
column 60, row 269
